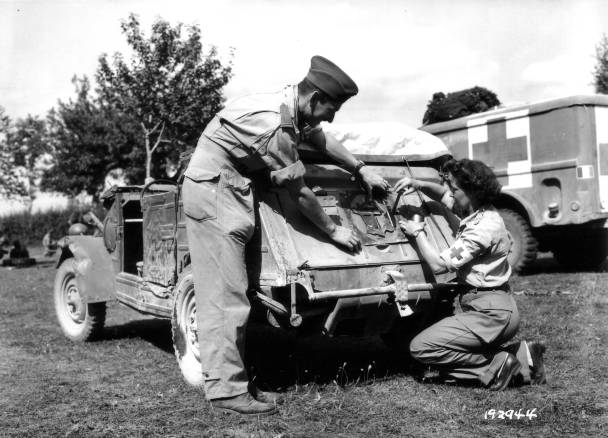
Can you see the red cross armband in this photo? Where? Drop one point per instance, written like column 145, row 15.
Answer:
column 456, row 256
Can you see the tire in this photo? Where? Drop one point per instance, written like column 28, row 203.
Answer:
column 78, row 320
column 586, row 252
column 524, row 246
column 184, row 330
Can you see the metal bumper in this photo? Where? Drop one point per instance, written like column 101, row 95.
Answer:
column 399, row 289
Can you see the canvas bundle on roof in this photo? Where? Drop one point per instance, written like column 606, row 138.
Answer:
column 387, row 138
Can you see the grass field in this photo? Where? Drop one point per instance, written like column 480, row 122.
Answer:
column 128, row 384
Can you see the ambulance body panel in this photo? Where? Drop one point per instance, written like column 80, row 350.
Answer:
column 552, row 159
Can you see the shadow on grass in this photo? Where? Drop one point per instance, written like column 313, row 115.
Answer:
column 278, row 359
column 155, row 331
column 46, row 263
column 546, row 264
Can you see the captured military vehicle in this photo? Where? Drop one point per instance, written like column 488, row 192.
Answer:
column 305, row 282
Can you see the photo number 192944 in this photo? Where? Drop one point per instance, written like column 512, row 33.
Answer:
column 510, row 414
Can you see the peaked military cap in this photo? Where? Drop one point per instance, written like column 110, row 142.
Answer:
column 331, row 79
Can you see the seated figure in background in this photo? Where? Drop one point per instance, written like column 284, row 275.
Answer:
column 18, row 251
column 4, row 243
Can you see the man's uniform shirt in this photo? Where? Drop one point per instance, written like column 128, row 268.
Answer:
column 258, row 131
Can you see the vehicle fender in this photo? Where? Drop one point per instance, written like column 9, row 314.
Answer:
column 516, row 202
column 93, row 267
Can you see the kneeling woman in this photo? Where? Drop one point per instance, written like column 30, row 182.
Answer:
column 468, row 345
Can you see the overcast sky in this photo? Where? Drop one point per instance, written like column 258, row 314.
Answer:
column 398, row 51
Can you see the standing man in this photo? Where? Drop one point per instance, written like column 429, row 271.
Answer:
column 260, row 131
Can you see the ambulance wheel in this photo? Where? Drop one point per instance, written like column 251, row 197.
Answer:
column 78, row 320
column 184, row 330
column 586, row 253
column 524, row 245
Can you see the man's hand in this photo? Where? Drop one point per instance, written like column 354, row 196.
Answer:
column 407, row 185
column 370, row 181
column 346, row 237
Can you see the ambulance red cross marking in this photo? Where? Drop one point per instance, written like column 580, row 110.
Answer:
column 503, row 149
column 455, row 253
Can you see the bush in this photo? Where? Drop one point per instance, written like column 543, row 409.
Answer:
column 459, row 104
column 30, row 228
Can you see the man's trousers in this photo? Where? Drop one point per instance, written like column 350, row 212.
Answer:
column 220, row 221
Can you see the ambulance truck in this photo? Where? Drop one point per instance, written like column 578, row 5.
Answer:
column 552, row 159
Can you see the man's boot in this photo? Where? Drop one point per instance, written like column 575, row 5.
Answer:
column 243, row 404
column 270, row 397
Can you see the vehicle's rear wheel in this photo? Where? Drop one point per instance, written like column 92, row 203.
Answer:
column 184, row 330
column 79, row 320
column 524, row 246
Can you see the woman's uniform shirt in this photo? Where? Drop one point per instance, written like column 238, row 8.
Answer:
column 478, row 256
column 479, row 253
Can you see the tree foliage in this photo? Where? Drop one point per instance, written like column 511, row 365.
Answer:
column 600, row 73
column 87, row 140
column 10, row 185
column 143, row 111
column 169, row 87
column 459, row 104
column 29, row 146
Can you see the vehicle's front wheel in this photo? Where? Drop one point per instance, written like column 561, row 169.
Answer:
column 184, row 330
column 79, row 320
column 524, row 247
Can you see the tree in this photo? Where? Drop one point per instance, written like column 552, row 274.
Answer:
column 29, row 146
column 459, row 104
column 10, row 184
column 169, row 87
column 87, row 140
column 600, row 73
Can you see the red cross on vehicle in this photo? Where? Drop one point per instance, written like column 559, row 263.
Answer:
column 500, row 150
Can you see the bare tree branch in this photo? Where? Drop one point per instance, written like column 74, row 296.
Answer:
column 153, row 130
column 159, row 138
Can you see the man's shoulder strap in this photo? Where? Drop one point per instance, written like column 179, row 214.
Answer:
column 286, row 120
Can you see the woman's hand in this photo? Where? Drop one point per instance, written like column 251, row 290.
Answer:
column 411, row 228
column 407, row 183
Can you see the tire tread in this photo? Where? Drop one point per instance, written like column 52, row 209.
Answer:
column 529, row 244
column 94, row 322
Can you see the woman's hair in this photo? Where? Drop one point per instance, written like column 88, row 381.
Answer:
column 475, row 178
